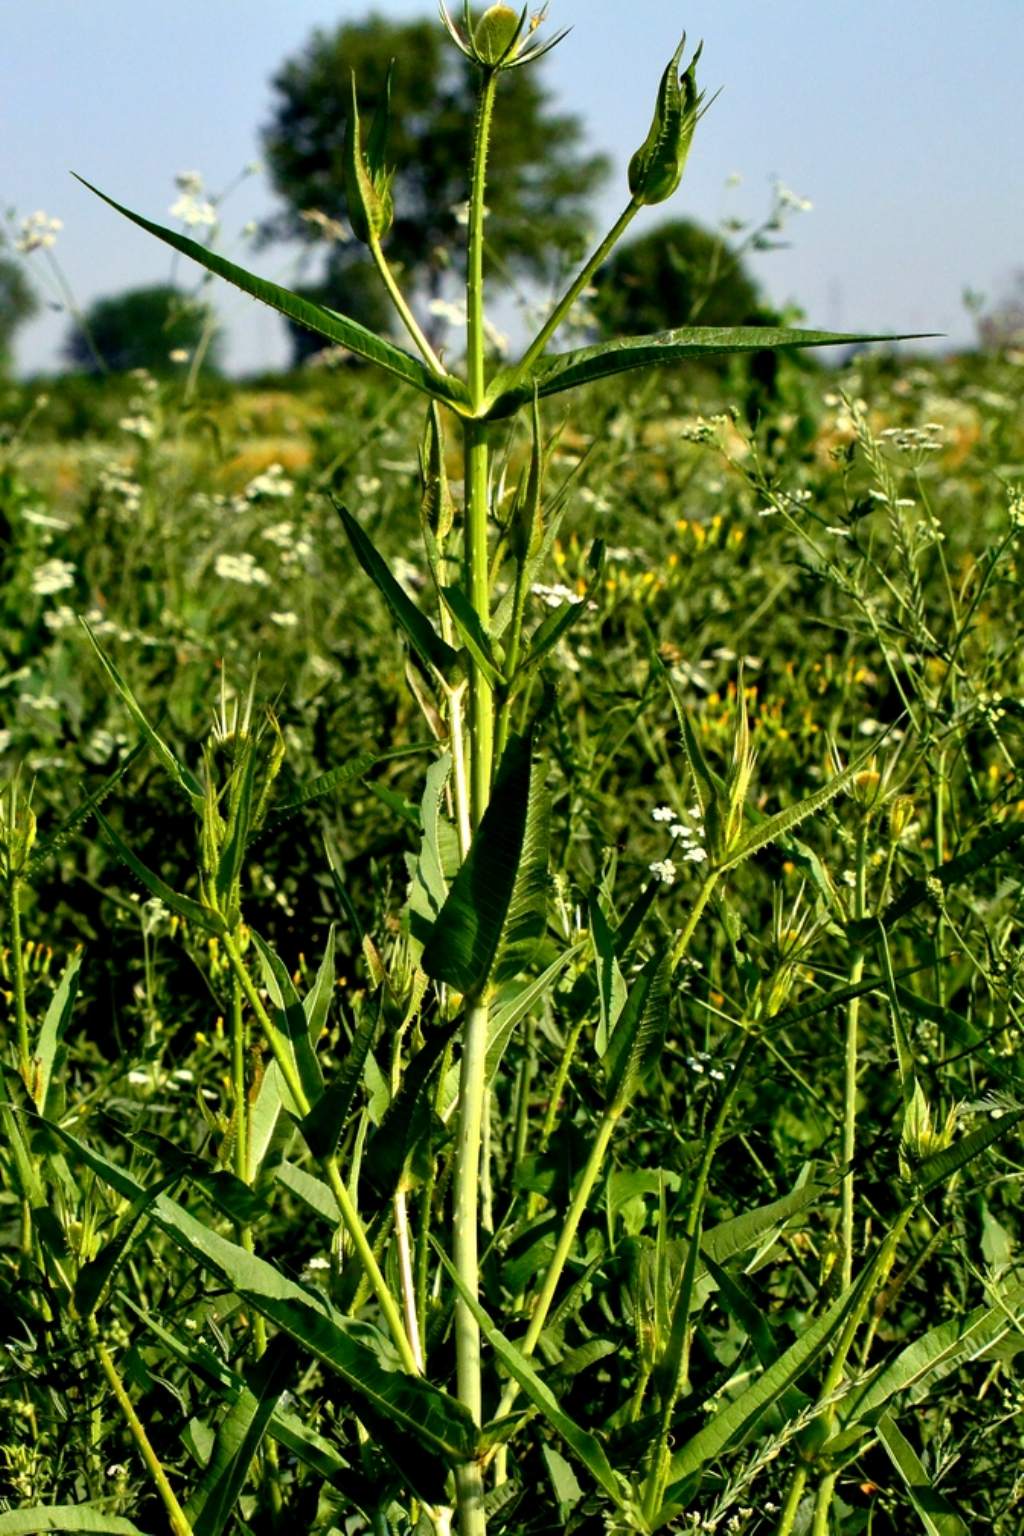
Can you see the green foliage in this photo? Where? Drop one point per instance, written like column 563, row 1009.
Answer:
column 557, row 1067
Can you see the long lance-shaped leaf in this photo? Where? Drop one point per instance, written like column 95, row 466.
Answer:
column 51, row 1032
column 918, row 1367
column 940, row 1167
column 472, row 633
column 238, row 1439
column 436, row 1421
column 65, row 1517
column 206, row 1366
column 421, row 634
column 61, row 835
column 567, row 370
column 323, row 1126
column 315, row 317
column 177, row 770
column 639, row 1033
column 776, row 827
column 192, row 911
column 336, row 778
column 408, row 1119
column 585, row 1446
column 559, row 622
column 736, row 1420
column 506, row 1015
column 936, row 1513
column 290, row 1022
column 982, row 853
column 495, row 914
column 728, row 1238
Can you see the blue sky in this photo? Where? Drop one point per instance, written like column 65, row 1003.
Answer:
column 896, row 118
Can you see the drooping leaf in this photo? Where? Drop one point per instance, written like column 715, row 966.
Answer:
column 337, row 328
column 428, row 886
column 421, row 634
column 940, row 1167
column 495, row 913
column 728, row 1238
column 551, row 375
column 192, row 911
column 353, row 1350
column 239, row 1437
column 178, row 772
column 585, row 1446
column 65, row 1517
column 937, row 1515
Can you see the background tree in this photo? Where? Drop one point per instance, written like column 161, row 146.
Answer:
column 1002, row 325
column 541, row 182
column 678, row 274
column 18, row 303
column 140, row 329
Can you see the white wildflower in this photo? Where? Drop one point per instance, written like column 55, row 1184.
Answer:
column 790, row 199
column 367, row 485
column 663, row 870
column 193, row 211
column 53, row 576
column 281, row 534
column 663, row 813
column 318, row 1262
column 696, row 854
column 38, row 232
column 138, row 426
column 284, row 620
column 59, row 618
column 272, row 482
column 241, row 568
column 5, row 740
column 178, row 355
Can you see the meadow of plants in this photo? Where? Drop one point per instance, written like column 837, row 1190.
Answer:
column 512, row 958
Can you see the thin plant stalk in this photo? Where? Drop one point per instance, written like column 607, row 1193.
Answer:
column 407, row 1277
column 18, row 978
column 576, row 287
column 175, row 1514
column 406, row 315
column 332, row 1173
column 851, row 1064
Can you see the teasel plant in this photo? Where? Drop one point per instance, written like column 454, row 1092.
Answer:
column 450, row 1373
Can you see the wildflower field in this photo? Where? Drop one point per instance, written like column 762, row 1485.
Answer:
column 512, row 958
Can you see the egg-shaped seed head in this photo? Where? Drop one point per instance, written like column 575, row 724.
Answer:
column 496, row 33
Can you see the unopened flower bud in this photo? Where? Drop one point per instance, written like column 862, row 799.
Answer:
column 900, row 814
column 496, row 33
column 371, row 210
column 656, row 169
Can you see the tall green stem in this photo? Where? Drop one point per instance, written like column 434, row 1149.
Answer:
column 851, row 1063
column 472, row 1080
column 18, row 977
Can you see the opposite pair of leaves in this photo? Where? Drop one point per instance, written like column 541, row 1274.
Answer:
column 513, row 386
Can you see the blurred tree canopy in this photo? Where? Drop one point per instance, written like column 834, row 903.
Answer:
column 541, row 180
column 18, row 303
column 678, row 274
column 140, row 329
